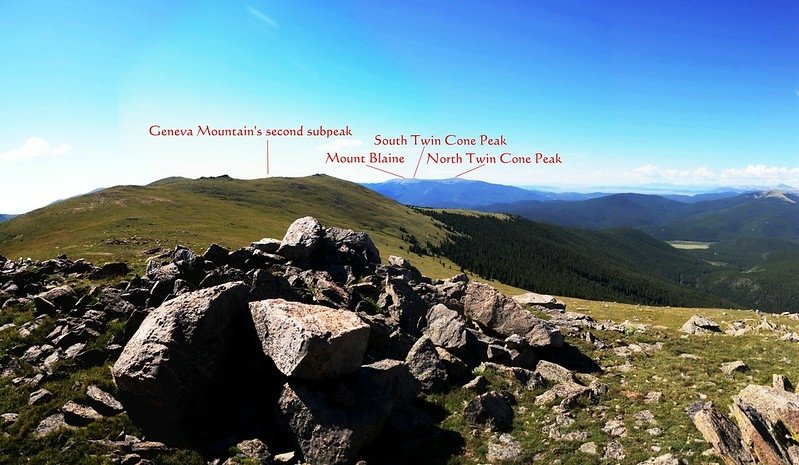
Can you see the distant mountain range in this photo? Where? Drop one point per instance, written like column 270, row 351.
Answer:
column 464, row 193
column 723, row 214
column 5, row 217
column 751, row 269
column 748, row 237
column 768, row 214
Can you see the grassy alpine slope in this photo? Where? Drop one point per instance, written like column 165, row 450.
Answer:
column 131, row 223
column 651, row 355
column 122, row 223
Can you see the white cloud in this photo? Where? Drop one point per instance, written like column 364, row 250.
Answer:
column 339, row 144
column 756, row 174
column 653, row 172
column 752, row 175
column 263, row 17
column 34, row 147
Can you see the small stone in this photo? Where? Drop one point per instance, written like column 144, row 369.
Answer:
column 131, row 459
column 478, row 384
column 666, row 459
column 39, row 396
column 574, row 436
column 50, row 424
column 503, row 448
column 9, row 418
column 78, row 414
column 737, row 366
column 149, row 448
column 615, row 451
column 615, row 428
column 492, row 409
column 781, row 382
column 644, row 417
column 103, row 402
column 255, row 450
column 286, row 457
column 653, row 397
column 588, row 448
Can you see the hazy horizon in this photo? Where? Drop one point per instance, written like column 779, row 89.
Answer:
column 653, row 189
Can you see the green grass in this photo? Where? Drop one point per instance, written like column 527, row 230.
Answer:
column 67, row 446
column 682, row 381
column 121, row 223
column 234, row 213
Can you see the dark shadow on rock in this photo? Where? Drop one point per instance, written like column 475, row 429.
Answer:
column 570, row 357
column 243, row 407
column 413, row 435
column 238, row 406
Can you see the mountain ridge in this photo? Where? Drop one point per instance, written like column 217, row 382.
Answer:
column 134, row 223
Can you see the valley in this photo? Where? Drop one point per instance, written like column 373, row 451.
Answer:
column 745, row 241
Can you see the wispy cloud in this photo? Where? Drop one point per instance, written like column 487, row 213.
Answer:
column 339, row 144
column 656, row 172
column 751, row 175
column 763, row 173
column 266, row 19
column 34, row 147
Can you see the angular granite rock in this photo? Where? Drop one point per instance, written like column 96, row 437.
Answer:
column 310, row 341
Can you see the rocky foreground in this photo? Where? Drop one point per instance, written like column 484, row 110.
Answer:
column 309, row 350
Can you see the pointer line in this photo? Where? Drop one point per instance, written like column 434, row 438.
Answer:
column 420, row 160
column 387, row 172
column 469, row 171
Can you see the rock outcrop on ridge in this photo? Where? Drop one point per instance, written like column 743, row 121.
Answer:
column 764, row 428
column 307, row 343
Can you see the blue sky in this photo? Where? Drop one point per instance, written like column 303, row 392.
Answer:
column 630, row 94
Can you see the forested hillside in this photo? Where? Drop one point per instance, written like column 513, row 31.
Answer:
column 622, row 265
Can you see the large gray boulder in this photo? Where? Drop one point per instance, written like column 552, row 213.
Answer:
column 167, row 273
column 63, row 297
column 332, row 422
column 356, row 247
column 446, row 328
column 169, row 371
column 310, row 341
column 700, row 325
column 301, row 239
column 504, row 316
column 766, row 425
column 407, row 307
column 492, row 409
column 391, row 376
column 553, row 372
column 540, row 300
column 426, row 366
column 723, row 434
